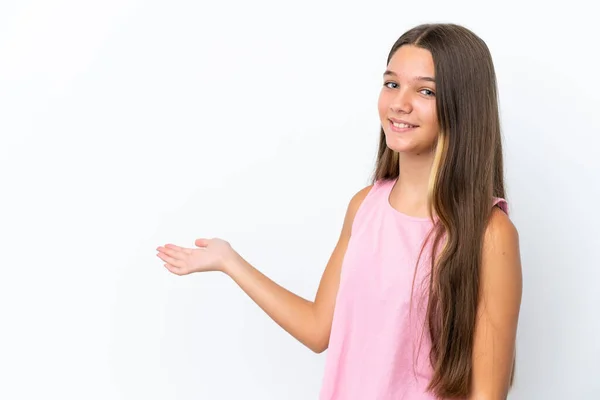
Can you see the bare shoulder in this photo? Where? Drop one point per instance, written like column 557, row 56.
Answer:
column 501, row 234
column 355, row 204
column 501, row 261
column 359, row 196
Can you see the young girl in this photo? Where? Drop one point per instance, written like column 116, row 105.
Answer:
column 421, row 296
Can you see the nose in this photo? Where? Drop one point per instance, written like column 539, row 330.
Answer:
column 401, row 103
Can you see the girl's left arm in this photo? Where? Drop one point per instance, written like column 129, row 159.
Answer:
column 498, row 310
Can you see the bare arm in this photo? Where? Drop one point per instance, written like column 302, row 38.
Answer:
column 307, row 321
column 498, row 310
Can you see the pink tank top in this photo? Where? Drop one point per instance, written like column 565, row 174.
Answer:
column 378, row 349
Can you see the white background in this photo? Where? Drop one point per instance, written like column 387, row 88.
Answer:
column 128, row 124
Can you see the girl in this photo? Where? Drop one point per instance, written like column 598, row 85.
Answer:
column 421, row 296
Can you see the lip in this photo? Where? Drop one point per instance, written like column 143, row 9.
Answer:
column 401, row 130
column 400, row 121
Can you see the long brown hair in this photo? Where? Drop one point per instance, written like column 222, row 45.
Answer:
column 467, row 172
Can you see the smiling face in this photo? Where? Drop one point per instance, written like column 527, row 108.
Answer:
column 407, row 101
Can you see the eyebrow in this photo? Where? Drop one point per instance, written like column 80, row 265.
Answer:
column 416, row 78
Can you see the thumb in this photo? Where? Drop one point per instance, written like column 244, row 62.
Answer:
column 201, row 242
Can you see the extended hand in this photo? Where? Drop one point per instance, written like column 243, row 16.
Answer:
column 211, row 256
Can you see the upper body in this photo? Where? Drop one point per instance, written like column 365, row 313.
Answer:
column 394, row 330
column 378, row 348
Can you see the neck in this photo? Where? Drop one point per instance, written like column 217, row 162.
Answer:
column 413, row 181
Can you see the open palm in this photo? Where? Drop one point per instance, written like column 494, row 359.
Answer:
column 210, row 256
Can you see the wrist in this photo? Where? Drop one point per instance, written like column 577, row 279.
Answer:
column 230, row 262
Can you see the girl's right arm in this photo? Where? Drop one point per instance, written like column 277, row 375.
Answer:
column 307, row 321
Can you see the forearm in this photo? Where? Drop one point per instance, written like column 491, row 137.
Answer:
column 293, row 313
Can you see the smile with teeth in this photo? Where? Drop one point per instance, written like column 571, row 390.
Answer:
column 397, row 125
column 402, row 126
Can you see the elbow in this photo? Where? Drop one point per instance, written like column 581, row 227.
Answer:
column 320, row 344
column 318, row 348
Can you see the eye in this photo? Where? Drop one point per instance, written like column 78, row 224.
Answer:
column 429, row 92
column 388, row 83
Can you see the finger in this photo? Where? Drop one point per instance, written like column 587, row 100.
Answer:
column 171, row 260
column 173, row 269
column 201, row 242
column 178, row 248
column 178, row 254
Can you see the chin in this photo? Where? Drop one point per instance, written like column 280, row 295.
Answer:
column 409, row 148
column 407, row 145
column 400, row 146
